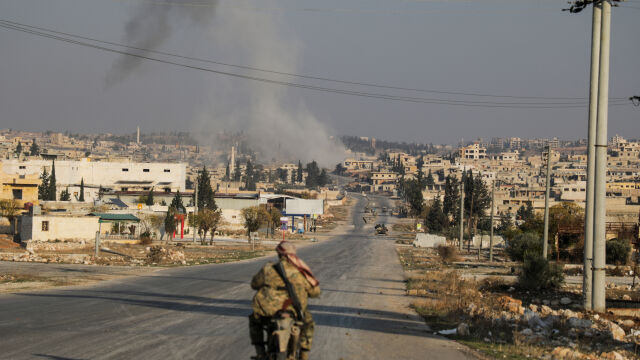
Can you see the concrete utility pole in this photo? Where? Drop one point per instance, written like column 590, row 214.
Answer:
column 545, row 237
column 461, row 211
column 591, row 160
column 599, row 225
column 195, row 209
column 493, row 186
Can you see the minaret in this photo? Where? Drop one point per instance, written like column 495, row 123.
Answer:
column 138, row 136
column 232, row 162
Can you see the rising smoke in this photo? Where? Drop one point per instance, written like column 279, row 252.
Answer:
column 150, row 26
column 274, row 119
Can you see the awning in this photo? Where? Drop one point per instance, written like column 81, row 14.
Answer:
column 104, row 217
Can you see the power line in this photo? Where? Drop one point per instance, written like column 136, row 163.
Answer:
column 9, row 26
column 310, row 77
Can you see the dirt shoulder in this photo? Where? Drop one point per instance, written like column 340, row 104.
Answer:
column 17, row 277
column 468, row 300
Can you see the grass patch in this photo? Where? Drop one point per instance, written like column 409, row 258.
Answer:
column 20, row 278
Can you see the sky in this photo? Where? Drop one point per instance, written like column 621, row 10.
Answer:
column 498, row 47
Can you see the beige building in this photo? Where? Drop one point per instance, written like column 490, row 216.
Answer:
column 474, row 152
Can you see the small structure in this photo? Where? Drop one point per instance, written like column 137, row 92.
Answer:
column 58, row 227
column 429, row 240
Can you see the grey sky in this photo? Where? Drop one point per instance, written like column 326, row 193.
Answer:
column 524, row 48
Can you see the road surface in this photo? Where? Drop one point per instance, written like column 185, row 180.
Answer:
column 201, row 312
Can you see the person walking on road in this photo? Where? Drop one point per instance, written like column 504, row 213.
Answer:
column 272, row 296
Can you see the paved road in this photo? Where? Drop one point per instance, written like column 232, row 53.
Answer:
column 201, row 312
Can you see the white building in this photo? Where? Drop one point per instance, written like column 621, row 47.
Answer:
column 116, row 175
column 58, row 227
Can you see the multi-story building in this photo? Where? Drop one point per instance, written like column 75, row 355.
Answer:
column 112, row 175
column 474, row 151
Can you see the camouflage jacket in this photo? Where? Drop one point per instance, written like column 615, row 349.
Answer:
column 272, row 294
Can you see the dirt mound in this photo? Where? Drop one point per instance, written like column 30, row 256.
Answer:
column 6, row 242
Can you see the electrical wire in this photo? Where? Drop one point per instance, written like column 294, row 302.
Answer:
column 310, row 77
column 5, row 25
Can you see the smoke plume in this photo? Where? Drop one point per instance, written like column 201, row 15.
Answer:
column 274, row 119
column 150, row 25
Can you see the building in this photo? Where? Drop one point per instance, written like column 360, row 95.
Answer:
column 383, row 181
column 474, row 152
column 23, row 188
column 117, row 176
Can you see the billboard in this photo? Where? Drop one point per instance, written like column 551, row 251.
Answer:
column 304, row 207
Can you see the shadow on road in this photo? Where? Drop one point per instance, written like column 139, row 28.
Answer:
column 53, row 357
column 330, row 316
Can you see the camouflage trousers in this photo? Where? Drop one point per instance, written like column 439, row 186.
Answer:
column 257, row 324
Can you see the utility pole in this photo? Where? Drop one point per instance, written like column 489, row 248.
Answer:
column 195, row 209
column 545, row 237
column 461, row 211
column 599, row 225
column 591, row 160
column 493, row 185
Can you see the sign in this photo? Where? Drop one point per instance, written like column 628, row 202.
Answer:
column 139, row 206
column 284, row 219
column 283, row 223
column 418, row 226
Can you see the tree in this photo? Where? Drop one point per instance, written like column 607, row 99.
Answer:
column 208, row 220
column 435, row 220
column 170, row 222
column 274, row 219
column 9, row 208
column 339, row 169
column 227, row 173
column 525, row 212
column 236, row 172
column 64, row 195
column 43, row 188
column 205, row 191
column 149, row 223
column 52, row 183
column 429, row 181
column 299, row 177
column 451, row 197
column 177, row 204
column 411, row 191
column 35, row 149
column 81, row 197
column 253, row 217
column 19, row 148
column 149, row 201
column 249, row 177
column 313, row 175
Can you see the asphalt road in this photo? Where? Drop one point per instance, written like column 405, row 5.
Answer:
column 201, row 312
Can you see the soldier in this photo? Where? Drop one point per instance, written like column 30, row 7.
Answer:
column 272, row 296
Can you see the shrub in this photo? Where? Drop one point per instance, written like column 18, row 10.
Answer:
column 523, row 244
column 618, row 251
column 447, row 254
column 538, row 273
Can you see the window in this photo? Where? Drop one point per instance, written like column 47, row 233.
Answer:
column 17, row 194
column 145, row 170
column 125, row 169
column 21, row 176
column 167, row 170
column 22, row 167
column 45, row 226
column 167, row 190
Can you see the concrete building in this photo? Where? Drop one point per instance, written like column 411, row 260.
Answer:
column 58, row 227
column 117, row 176
column 474, row 152
column 23, row 188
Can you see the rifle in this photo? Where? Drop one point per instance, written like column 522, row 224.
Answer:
column 295, row 301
